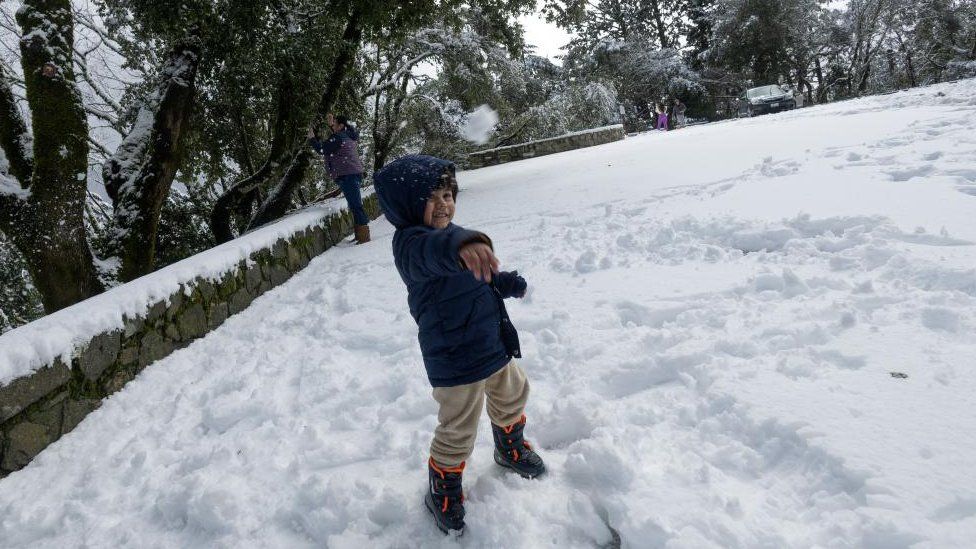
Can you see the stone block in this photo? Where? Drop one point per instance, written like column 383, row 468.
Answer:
column 308, row 249
column 207, row 289
column 24, row 441
column 261, row 256
column 335, row 229
column 153, row 347
column 22, row 392
column 49, row 415
column 279, row 250
column 76, row 410
column 219, row 313
column 129, row 355
column 156, row 313
column 252, row 277
column 279, row 275
column 132, row 326
column 239, row 301
column 175, row 302
column 172, row 332
column 192, row 322
column 228, row 285
column 102, row 352
column 294, row 259
column 117, row 380
column 318, row 241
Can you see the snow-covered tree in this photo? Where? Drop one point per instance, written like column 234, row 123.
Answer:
column 19, row 300
column 762, row 37
column 44, row 193
column 42, row 185
column 635, row 46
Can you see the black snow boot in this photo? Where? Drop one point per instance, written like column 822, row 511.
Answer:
column 445, row 500
column 514, row 452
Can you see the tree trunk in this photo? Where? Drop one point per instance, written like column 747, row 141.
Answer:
column 821, row 85
column 393, row 108
column 351, row 38
column 139, row 176
column 909, row 65
column 659, row 25
column 45, row 217
column 282, row 141
column 279, row 199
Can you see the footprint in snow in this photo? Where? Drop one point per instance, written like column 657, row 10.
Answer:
column 910, row 173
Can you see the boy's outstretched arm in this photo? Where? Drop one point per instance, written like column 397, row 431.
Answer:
column 424, row 254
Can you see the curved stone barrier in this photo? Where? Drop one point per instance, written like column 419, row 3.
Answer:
column 49, row 399
column 542, row 147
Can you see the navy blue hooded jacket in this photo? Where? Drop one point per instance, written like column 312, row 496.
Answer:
column 458, row 315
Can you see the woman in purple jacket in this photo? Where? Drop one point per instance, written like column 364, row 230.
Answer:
column 345, row 168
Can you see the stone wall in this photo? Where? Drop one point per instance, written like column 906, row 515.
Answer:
column 37, row 409
column 568, row 142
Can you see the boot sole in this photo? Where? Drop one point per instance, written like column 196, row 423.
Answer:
column 428, row 503
column 499, row 460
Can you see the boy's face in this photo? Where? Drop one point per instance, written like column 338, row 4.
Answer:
column 440, row 208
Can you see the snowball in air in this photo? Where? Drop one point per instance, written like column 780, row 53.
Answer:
column 479, row 124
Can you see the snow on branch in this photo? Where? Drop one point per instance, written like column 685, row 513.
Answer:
column 123, row 168
column 11, row 187
column 15, row 139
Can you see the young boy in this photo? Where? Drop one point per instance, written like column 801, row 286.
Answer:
column 455, row 294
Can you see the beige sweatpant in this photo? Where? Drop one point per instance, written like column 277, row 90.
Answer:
column 460, row 408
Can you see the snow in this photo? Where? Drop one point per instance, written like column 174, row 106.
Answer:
column 717, row 334
column 31, row 346
column 10, row 186
column 478, row 124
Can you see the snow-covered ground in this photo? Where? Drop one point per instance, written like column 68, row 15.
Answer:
column 714, row 319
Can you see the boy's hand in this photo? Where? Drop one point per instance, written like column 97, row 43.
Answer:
column 510, row 284
column 479, row 258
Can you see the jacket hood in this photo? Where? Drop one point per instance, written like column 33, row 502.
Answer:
column 404, row 185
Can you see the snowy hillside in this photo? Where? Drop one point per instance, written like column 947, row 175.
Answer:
column 718, row 333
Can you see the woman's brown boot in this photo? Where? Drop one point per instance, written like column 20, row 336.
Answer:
column 362, row 233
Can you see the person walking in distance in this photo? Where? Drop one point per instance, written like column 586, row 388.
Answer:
column 679, row 114
column 346, row 169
